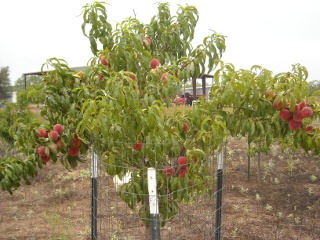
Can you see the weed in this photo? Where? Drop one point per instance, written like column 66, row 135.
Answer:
column 60, row 226
column 268, row 168
column 86, row 232
column 290, row 165
column 234, row 232
column 29, row 214
column 297, row 220
column 313, row 178
column 310, row 190
column 269, row 208
column 258, row 198
column 244, row 190
column 280, row 215
column 85, row 173
column 236, row 208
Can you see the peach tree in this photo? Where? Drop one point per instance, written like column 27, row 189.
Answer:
column 117, row 106
column 267, row 108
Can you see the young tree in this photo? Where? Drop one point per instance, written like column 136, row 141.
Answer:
column 116, row 106
column 4, row 83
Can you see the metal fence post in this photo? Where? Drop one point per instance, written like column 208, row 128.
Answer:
column 94, row 195
column 153, row 204
column 219, row 196
column 249, row 158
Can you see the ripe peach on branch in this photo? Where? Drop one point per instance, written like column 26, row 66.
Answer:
column 167, row 170
column 54, row 135
column 294, row 125
column 154, row 63
column 58, row 128
column 146, row 42
column 285, row 114
column 306, row 112
column 41, row 133
column 137, row 146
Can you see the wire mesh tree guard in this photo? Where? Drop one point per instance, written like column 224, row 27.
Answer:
column 200, row 217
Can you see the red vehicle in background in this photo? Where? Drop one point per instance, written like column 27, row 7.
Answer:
column 180, row 100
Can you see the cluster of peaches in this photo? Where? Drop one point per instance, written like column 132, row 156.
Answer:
column 53, row 143
column 294, row 117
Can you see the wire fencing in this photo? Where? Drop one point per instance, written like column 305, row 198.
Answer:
column 283, row 204
column 198, row 217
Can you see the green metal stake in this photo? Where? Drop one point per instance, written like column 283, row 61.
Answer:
column 219, row 196
column 248, row 173
column 94, row 195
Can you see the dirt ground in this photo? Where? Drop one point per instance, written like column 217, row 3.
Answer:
column 283, row 204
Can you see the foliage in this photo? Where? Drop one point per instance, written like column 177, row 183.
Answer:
column 4, row 83
column 13, row 169
column 8, row 115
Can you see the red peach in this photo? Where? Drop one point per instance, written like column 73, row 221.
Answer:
column 182, row 160
column 73, row 152
column 164, row 76
column 284, row 114
column 269, row 94
column 146, row 41
column 306, row 112
column 41, row 151
column 76, row 142
column 278, row 105
column 155, row 63
column 137, row 146
column 54, row 135
column 302, row 104
column 103, row 60
column 296, row 108
column 294, row 125
column 183, row 172
column 45, row 159
column 297, row 116
column 132, row 77
column 41, row 133
column 58, row 128
column 185, row 127
column 167, row 170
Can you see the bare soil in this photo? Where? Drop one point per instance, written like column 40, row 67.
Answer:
column 283, row 204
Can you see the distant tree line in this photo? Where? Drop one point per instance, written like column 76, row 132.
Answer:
column 19, row 84
column 314, row 86
column 4, row 83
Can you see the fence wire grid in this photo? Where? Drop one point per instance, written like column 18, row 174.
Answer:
column 195, row 219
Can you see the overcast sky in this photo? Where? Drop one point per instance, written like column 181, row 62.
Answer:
column 270, row 33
